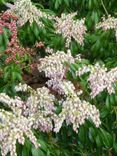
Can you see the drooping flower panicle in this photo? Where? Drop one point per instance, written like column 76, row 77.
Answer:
column 75, row 111
column 26, row 11
column 109, row 23
column 99, row 78
column 70, row 28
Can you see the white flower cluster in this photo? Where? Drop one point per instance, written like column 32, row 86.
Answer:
column 55, row 85
column 109, row 23
column 53, row 65
column 54, row 68
column 22, row 87
column 13, row 127
column 41, row 99
column 37, row 112
column 85, row 69
column 67, row 87
column 74, row 111
column 99, row 78
column 26, row 11
column 49, row 50
column 40, row 107
column 70, row 28
column 11, row 102
column 62, row 87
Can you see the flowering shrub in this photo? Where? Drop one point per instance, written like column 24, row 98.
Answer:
column 38, row 112
column 58, row 77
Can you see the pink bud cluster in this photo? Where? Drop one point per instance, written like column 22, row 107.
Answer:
column 8, row 20
column 1, row 31
column 14, row 49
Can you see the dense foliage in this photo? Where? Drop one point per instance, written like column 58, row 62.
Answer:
column 58, row 77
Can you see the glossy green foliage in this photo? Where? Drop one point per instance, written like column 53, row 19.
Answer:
column 98, row 46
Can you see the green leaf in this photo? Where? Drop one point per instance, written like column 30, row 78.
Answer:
column 14, row 76
column 43, row 145
column 6, row 76
column 66, row 2
column 74, row 67
column 92, row 134
column 115, row 147
column 5, row 38
column 19, row 77
column 35, row 29
column 37, row 152
column 106, row 138
column 108, row 102
column 104, row 112
column 98, row 141
column 57, row 3
column 82, row 134
column 90, row 4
